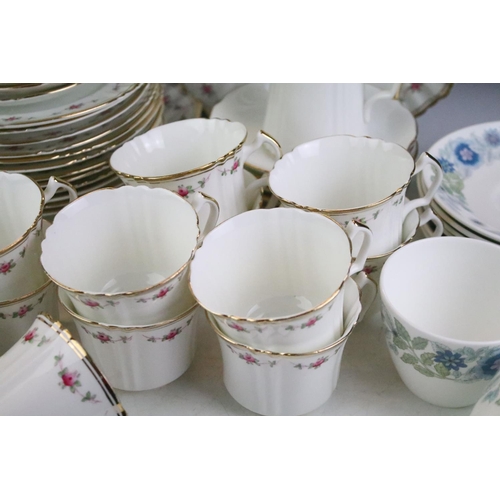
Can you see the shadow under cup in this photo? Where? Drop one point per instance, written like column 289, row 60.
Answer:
column 440, row 301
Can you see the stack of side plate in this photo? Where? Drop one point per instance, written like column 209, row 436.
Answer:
column 71, row 130
column 468, row 201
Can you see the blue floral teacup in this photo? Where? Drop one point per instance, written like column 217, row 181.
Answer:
column 440, row 310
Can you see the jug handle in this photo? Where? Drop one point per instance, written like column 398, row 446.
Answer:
column 383, row 94
column 260, row 139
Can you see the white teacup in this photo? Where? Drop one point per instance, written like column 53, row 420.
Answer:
column 277, row 275
column 138, row 358
column 47, row 372
column 123, row 254
column 277, row 383
column 354, row 178
column 194, row 155
column 440, row 301
column 414, row 220
column 300, row 112
column 21, row 207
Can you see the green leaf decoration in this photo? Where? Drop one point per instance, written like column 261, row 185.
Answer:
column 419, row 343
column 442, row 370
column 393, row 348
column 427, row 358
column 469, row 354
column 402, row 331
column 2, row 316
column 423, row 370
column 497, row 402
column 399, row 342
column 452, row 183
column 409, row 358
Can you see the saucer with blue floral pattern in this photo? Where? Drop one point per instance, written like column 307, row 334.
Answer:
column 470, row 191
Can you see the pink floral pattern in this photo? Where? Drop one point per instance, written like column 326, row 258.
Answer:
column 308, row 324
column 370, row 269
column 185, row 191
column 72, row 382
column 23, row 310
column 250, row 359
column 364, row 220
column 315, row 365
column 159, row 295
column 104, row 338
column 231, row 170
column 6, row 267
column 237, row 327
column 30, row 336
column 93, row 303
column 171, row 334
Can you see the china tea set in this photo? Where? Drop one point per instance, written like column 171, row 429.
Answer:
column 282, row 288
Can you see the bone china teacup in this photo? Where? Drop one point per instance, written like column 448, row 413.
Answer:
column 195, row 155
column 440, row 301
column 354, row 178
column 21, row 207
column 278, row 272
column 277, row 383
column 123, row 254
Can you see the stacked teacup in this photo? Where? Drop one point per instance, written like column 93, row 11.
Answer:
column 277, row 289
column 350, row 178
column 120, row 258
column 25, row 290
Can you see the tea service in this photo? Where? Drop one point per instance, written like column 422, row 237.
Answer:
column 138, row 268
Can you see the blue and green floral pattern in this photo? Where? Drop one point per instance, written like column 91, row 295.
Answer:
column 434, row 359
column 492, row 394
column 460, row 157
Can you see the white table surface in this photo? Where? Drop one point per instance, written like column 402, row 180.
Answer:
column 368, row 382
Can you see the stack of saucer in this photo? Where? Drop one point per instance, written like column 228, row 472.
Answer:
column 70, row 130
column 467, row 201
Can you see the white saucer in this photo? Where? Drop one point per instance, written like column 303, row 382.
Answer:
column 470, row 192
column 418, row 97
column 391, row 121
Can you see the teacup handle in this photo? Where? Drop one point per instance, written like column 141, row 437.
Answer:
column 54, row 184
column 260, row 139
column 369, row 291
column 429, row 216
column 383, row 94
column 424, row 201
column 354, row 229
column 251, row 191
column 198, row 201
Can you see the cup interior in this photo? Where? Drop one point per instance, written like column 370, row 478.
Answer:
column 178, row 147
column 20, row 203
column 341, row 172
column 120, row 240
column 273, row 263
column 448, row 287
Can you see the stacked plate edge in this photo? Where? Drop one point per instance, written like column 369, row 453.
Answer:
column 71, row 131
